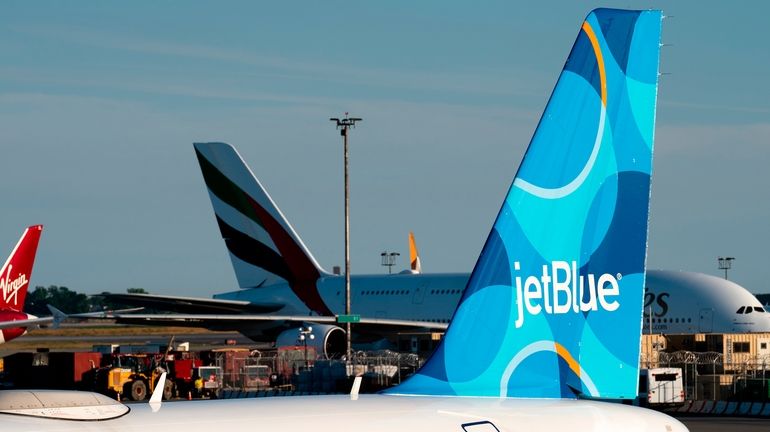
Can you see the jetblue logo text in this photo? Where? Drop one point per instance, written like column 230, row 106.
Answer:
column 560, row 290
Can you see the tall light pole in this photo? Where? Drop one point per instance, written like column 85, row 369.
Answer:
column 389, row 260
column 305, row 333
column 344, row 125
column 725, row 263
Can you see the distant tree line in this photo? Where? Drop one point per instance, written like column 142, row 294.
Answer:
column 68, row 301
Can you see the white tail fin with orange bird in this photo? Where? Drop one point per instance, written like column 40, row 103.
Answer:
column 414, row 256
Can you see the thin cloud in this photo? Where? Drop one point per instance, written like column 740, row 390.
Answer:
column 700, row 138
column 482, row 82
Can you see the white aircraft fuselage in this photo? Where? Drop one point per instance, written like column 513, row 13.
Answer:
column 417, row 297
column 366, row 413
column 678, row 302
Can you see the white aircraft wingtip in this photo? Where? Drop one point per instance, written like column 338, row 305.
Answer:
column 157, row 394
column 356, row 387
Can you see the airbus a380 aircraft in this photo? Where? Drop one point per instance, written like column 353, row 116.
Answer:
column 553, row 308
column 282, row 281
column 678, row 302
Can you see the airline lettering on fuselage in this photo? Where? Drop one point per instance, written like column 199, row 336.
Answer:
column 651, row 299
column 560, row 290
column 10, row 288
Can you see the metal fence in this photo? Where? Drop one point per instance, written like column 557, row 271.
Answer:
column 294, row 372
column 706, row 375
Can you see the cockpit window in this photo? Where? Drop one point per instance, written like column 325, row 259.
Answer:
column 759, row 309
column 749, row 309
column 740, row 309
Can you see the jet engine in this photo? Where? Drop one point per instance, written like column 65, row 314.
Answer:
column 14, row 332
column 328, row 340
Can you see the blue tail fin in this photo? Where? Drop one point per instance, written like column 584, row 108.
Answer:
column 553, row 308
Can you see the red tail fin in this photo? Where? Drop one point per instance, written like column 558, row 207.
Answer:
column 17, row 270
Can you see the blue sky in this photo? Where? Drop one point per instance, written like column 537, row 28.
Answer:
column 100, row 103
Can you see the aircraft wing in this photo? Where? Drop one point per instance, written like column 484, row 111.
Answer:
column 58, row 316
column 233, row 320
column 192, row 305
column 32, row 322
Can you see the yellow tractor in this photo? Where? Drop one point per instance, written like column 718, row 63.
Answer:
column 133, row 376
